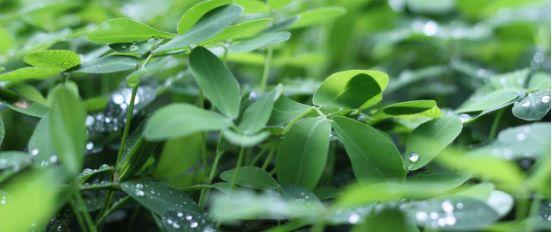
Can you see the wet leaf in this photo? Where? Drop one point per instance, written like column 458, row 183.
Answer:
column 251, row 177
column 533, row 107
column 125, row 30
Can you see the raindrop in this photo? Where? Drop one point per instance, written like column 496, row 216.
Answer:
column 53, row 159
column 354, row 218
column 521, row 136
column 34, row 152
column 545, row 99
column 413, row 157
column 421, row 216
column 464, row 117
column 118, row 99
column 139, row 193
column 430, row 28
column 447, row 206
column 434, row 215
column 133, row 48
column 459, row 205
column 526, row 104
column 450, row 220
column 89, row 120
column 253, row 95
column 194, row 224
column 89, row 146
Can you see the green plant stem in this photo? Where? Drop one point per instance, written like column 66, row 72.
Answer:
column 126, row 129
column 268, row 159
column 196, row 187
column 297, row 118
column 266, row 68
column 496, row 123
column 237, row 169
column 212, row 172
column 533, row 211
column 115, row 206
column 258, row 157
column 78, row 216
column 84, row 211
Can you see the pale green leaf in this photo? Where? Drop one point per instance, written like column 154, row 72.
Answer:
column 125, row 30
column 61, row 59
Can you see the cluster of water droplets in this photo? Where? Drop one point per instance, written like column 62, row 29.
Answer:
column 184, row 220
column 113, row 118
column 53, row 159
column 3, row 198
column 439, row 218
column 89, row 171
column 357, row 214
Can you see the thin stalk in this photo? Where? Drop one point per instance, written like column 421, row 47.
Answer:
column 258, row 157
column 82, row 208
column 115, row 206
column 205, row 192
column 127, row 125
column 297, row 118
column 78, row 216
column 496, row 123
column 268, row 159
column 237, row 169
column 533, row 211
column 98, row 186
column 197, row 187
column 266, row 68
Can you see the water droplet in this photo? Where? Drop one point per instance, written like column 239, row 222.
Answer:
column 521, row 136
column 354, row 218
column 194, row 224
column 413, row 157
column 133, row 48
column 430, row 28
column 464, row 117
column 104, row 166
column 525, row 103
column 139, row 186
column 447, row 206
column 53, row 159
column 139, row 193
column 188, row 217
column 421, row 216
column 434, row 215
column 89, row 146
column 459, row 205
column 22, row 104
column 545, row 99
column 118, row 98
column 34, row 152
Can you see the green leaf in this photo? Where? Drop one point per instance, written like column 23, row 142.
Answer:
column 30, row 73
column 423, row 185
column 242, row 140
column 180, row 120
column 491, row 101
column 29, row 108
column 11, row 162
column 533, row 107
column 253, row 6
column 317, row 16
column 29, row 202
column 242, row 30
column 260, row 41
column 373, row 155
column 178, row 159
column 503, row 172
column 285, row 110
column 387, row 220
column 29, row 92
column 67, row 128
column 239, row 205
column 429, row 139
column 257, row 114
column 40, row 144
column 210, row 26
column 303, row 152
column 216, row 82
column 251, row 177
column 451, row 213
column 109, row 64
column 409, row 109
column 196, row 12
column 278, row 3
column 61, row 59
column 176, row 209
column 532, row 140
column 351, row 89
column 125, row 30
column 135, row 49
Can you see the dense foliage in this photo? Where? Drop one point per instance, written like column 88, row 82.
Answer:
column 278, row 115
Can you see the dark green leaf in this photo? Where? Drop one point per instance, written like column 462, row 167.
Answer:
column 387, row 220
column 40, row 144
column 179, row 159
column 373, row 155
column 409, row 109
column 216, row 81
column 302, row 154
